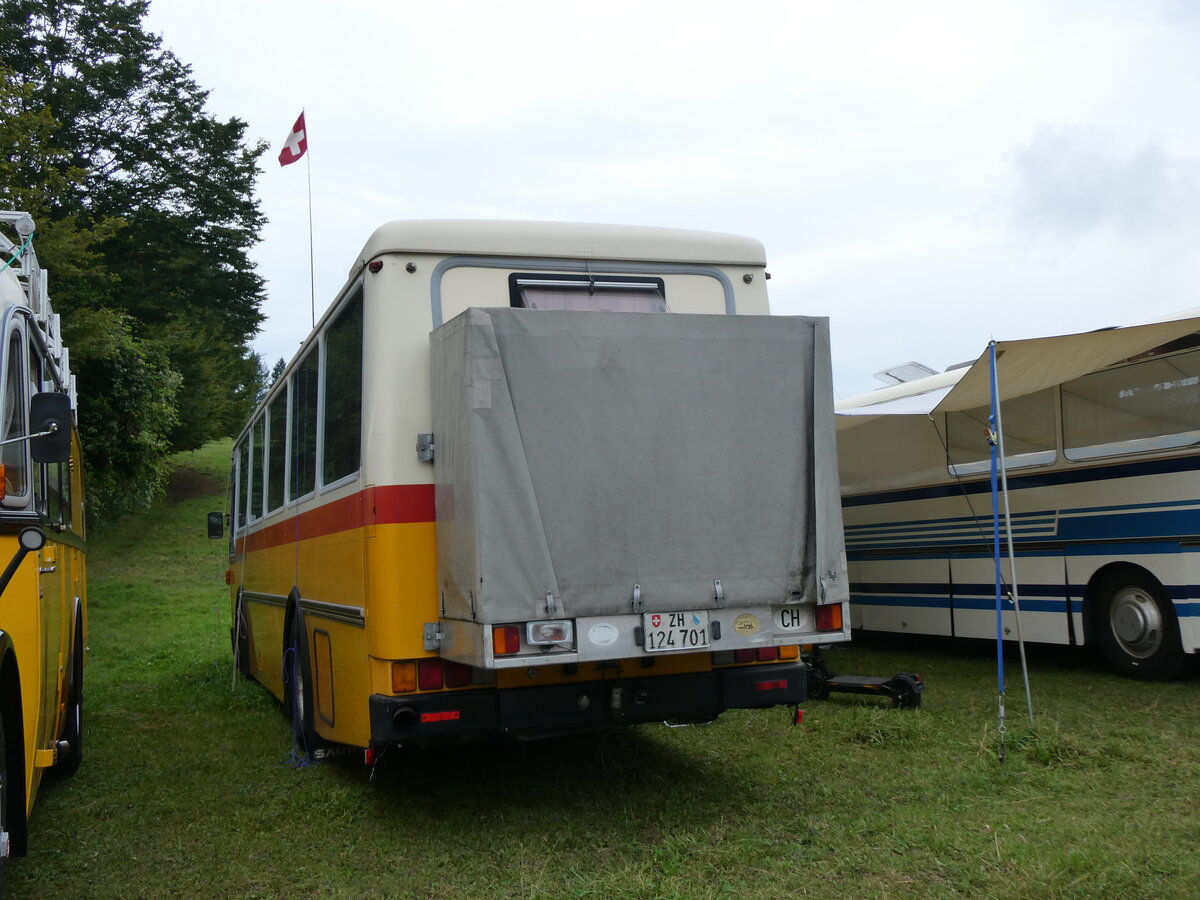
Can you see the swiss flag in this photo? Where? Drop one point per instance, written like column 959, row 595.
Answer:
column 296, row 144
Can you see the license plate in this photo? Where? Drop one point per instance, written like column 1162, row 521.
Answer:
column 675, row 631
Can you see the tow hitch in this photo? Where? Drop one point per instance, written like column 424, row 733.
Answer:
column 904, row 688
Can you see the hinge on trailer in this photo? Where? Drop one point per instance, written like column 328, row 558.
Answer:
column 551, row 604
column 718, row 593
column 425, row 447
column 433, row 636
column 636, row 602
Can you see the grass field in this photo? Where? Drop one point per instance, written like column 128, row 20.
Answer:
column 188, row 787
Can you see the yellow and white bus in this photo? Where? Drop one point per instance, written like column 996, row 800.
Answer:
column 538, row 478
column 1101, row 436
column 43, row 609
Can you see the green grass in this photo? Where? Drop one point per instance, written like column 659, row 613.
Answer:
column 187, row 790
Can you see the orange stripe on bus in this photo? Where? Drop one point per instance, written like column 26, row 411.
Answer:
column 388, row 504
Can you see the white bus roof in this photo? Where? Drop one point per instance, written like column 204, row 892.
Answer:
column 561, row 240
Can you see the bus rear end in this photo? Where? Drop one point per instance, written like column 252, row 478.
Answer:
column 637, row 520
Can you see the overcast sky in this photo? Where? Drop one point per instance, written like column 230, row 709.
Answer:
column 928, row 175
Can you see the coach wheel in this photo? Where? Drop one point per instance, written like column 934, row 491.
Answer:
column 1136, row 629
column 68, row 763
column 298, row 703
column 239, row 636
column 5, row 837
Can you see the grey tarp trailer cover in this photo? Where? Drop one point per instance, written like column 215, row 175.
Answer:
column 579, row 454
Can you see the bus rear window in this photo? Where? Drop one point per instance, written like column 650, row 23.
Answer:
column 612, row 293
column 1146, row 406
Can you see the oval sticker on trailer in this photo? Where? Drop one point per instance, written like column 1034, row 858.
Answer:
column 602, row 634
column 745, row 624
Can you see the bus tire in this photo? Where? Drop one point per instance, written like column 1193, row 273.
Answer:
column 1136, row 628
column 5, row 794
column 298, row 684
column 239, row 638
column 68, row 763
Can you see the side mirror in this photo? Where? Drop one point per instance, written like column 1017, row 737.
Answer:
column 216, row 525
column 50, row 412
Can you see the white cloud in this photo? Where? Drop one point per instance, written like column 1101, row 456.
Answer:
column 928, row 175
column 1070, row 181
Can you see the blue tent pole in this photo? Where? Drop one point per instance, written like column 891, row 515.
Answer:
column 993, row 442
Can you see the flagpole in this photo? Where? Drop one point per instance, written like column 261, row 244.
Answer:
column 312, row 290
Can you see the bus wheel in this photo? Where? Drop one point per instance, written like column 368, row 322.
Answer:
column 1136, row 627
column 240, row 638
column 68, row 763
column 5, row 838
column 298, row 700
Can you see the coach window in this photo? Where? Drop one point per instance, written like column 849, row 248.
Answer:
column 1149, row 405
column 304, row 428
column 243, row 470
column 1029, row 434
column 342, row 428
column 610, row 293
column 13, row 456
column 45, row 499
column 258, row 447
column 276, row 450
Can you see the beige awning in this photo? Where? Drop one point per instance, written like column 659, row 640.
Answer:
column 1022, row 367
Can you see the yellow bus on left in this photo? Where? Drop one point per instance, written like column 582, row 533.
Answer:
column 43, row 607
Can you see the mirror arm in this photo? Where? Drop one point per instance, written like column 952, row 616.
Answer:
column 53, row 429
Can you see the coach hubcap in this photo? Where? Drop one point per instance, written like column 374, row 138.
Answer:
column 1136, row 622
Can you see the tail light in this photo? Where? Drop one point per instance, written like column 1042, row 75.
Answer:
column 767, row 654
column 829, row 618
column 506, row 640
column 429, row 674
column 457, row 675
column 404, row 677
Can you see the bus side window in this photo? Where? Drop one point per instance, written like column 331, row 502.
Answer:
column 1029, row 435
column 342, row 428
column 257, row 451
column 243, row 475
column 13, row 456
column 1149, row 405
column 304, row 428
column 276, row 450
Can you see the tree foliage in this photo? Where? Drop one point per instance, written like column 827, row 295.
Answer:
column 146, row 212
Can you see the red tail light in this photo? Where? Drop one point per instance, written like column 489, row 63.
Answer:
column 829, row 618
column 457, row 674
column 765, row 654
column 506, row 639
column 744, row 656
column 429, row 674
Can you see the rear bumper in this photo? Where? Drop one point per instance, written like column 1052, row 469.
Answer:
column 584, row 706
